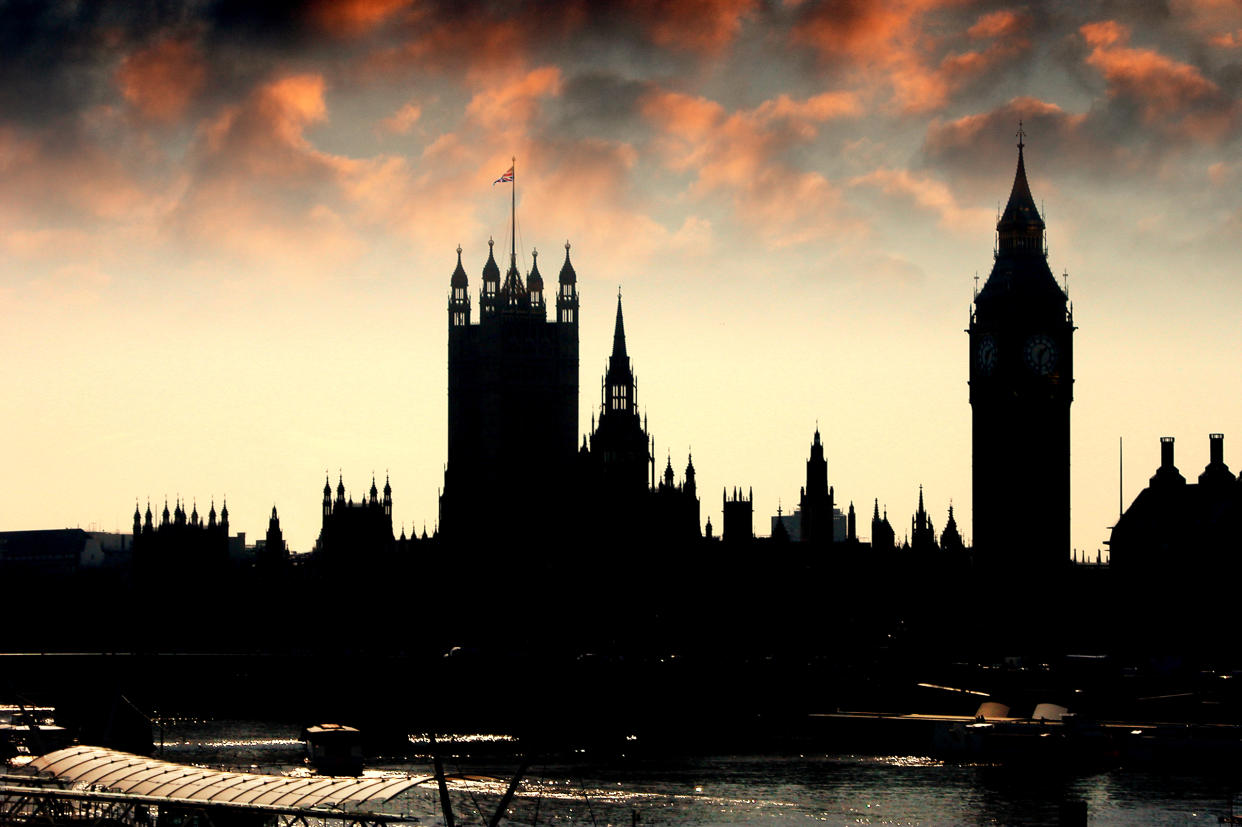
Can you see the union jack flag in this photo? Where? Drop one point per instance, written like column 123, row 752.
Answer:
column 507, row 178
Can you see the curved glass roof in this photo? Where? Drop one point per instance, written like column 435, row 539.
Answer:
column 122, row 772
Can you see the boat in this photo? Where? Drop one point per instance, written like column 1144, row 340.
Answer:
column 30, row 730
column 334, row 749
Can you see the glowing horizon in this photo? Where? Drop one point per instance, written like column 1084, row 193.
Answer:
column 227, row 236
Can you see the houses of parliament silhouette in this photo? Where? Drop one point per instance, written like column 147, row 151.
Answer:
column 513, row 401
column 531, row 504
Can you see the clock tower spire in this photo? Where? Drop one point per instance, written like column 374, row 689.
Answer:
column 1021, row 386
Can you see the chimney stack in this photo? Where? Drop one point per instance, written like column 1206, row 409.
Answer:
column 1217, row 449
column 1166, row 453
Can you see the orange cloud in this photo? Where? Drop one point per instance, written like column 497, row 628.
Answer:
column 265, row 135
column 1105, row 33
column 514, row 102
column 84, row 181
column 981, row 141
column 705, row 26
column 260, row 191
column 352, row 17
column 403, row 120
column 162, row 79
column 857, row 30
column 1217, row 22
column 892, row 44
column 1172, row 96
column 740, row 153
column 927, row 193
column 483, row 43
column 998, row 24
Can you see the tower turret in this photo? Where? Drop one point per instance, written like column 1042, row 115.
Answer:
column 534, row 283
column 567, row 292
column 489, row 295
column 459, row 296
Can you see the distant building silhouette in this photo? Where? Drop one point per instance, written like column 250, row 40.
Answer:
column 739, row 517
column 512, row 399
column 816, row 506
column 273, row 556
column 60, row 552
column 615, row 460
column 675, row 505
column 616, row 457
column 922, row 532
column 951, row 537
column 1176, row 531
column 182, row 548
column 354, row 536
column 883, row 538
column 1021, row 387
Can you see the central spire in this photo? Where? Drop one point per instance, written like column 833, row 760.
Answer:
column 513, row 293
column 619, row 391
column 618, row 335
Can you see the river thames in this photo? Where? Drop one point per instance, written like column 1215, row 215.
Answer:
column 776, row 787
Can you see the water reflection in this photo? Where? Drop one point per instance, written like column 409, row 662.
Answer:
column 833, row 789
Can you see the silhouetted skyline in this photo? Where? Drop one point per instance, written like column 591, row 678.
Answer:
column 226, row 239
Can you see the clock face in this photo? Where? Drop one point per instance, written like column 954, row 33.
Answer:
column 985, row 356
column 1041, row 354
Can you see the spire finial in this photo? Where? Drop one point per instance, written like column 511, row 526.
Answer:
column 567, row 246
column 1020, row 135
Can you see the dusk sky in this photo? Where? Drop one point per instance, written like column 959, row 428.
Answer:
column 226, row 236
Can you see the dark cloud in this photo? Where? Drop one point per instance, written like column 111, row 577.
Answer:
column 58, row 59
column 599, row 104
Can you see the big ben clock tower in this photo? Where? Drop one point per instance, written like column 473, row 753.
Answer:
column 1021, row 386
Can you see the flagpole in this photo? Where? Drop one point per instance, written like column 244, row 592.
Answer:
column 513, row 215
